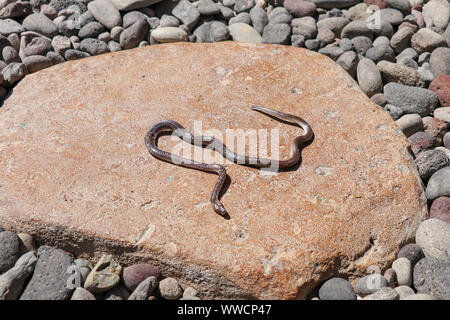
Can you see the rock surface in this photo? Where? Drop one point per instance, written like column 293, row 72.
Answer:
column 65, row 156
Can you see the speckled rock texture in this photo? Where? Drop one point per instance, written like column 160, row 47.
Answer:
column 75, row 171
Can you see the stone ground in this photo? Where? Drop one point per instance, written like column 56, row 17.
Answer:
column 402, row 64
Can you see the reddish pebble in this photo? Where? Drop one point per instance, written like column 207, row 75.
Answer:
column 441, row 86
column 420, row 141
column 440, row 209
column 437, row 128
column 135, row 274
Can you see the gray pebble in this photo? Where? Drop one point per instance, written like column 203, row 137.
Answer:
column 385, row 293
column 305, row 26
column 430, row 161
column 13, row 72
column 9, row 250
column 93, row 46
column 114, row 46
column 332, row 52
column 410, row 124
column 361, row 44
column 370, row 284
column 243, row 17
column 208, row 7
column 394, row 111
column 259, row 18
column 276, row 33
column 187, row 13
column 411, row 99
column 380, row 52
column 349, row 61
column 145, row 289
column 440, row 61
column 105, row 12
column 131, row 18
column 82, row 294
column 50, row 276
column 212, row 32
column 91, row 30
column 432, row 276
column 168, row 21
column 355, row 29
column 131, row 36
column 72, row 54
column 337, row 289
column 13, row 280
column 40, row 23
column 346, row 44
column 438, row 185
column 8, row 26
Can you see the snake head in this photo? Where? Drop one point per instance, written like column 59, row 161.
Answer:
column 220, row 209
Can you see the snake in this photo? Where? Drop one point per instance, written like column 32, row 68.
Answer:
column 176, row 129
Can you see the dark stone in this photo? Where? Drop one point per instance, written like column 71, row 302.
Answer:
column 337, row 289
column 50, row 276
column 413, row 252
column 9, row 250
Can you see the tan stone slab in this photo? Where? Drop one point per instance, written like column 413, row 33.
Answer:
column 75, row 172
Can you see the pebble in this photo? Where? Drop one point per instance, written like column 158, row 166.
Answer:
column 297, row 41
column 173, row 34
column 402, row 5
column 440, row 209
column 327, row 36
column 410, row 63
column 305, row 26
column 436, row 13
column 345, row 44
column 131, row 36
column 370, row 284
column 18, row 9
column 8, row 26
column 13, row 280
column 300, row 8
column 50, row 276
column 411, row 99
column 114, row 46
column 170, row 289
column 433, row 236
column 61, row 44
column 9, row 250
column 437, row 128
column 91, row 30
column 190, row 292
column 392, row 16
column 381, row 40
column 328, row 4
column 104, row 36
column 380, row 52
column 135, row 274
column 40, row 23
column 14, row 40
column 105, row 12
column 413, row 252
column 440, row 62
column 439, row 184
column 355, row 29
column 13, row 72
column 38, row 46
column 168, row 21
column 432, row 276
column 426, row 40
column 385, row 293
column 104, row 276
column 443, row 114
column 420, row 296
column 369, row 78
column 425, row 73
column 337, row 289
column 410, row 123
column 420, row 141
column 441, row 86
column 403, row 270
column 259, row 18
column 208, row 7
column 335, row 24
column 379, row 99
column 401, row 39
column 361, row 44
column 404, row 291
column 145, row 289
column 430, row 161
column 82, row 294
column 349, row 61
column 115, row 33
column 243, row 17
column 423, row 57
column 332, row 52
column 187, row 13
column 395, row 72
column 391, row 277
column 93, row 46
column 72, row 54
column 10, row 55
column 244, row 33
column 131, row 18
column 27, row 243
column 116, row 293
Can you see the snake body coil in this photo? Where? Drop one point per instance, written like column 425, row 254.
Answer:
column 205, row 141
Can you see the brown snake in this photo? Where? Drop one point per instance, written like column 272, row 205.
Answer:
column 210, row 142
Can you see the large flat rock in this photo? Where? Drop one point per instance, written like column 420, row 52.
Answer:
column 74, row 170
